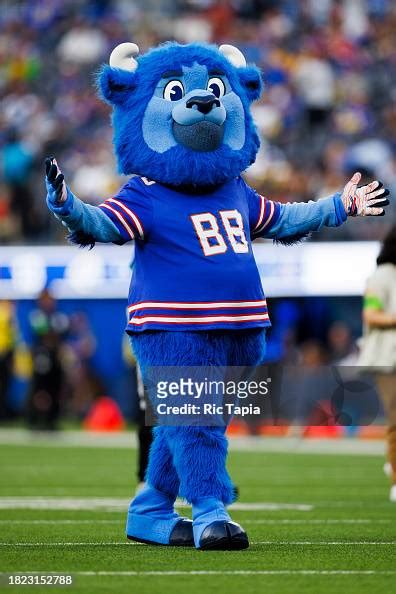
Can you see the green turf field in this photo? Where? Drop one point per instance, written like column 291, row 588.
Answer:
column 341, row 539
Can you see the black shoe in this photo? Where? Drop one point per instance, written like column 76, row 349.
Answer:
column 223, row 536
column 181, row 535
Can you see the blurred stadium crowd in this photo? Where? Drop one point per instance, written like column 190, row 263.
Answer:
column 328, row 109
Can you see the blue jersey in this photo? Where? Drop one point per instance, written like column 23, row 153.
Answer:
column 194, row 264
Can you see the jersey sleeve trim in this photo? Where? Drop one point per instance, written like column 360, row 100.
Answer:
column 261, row 213
column 132, row 217
column 121, row 219
column 268, row 215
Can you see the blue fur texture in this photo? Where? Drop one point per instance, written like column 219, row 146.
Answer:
column 161, row 472
column 199, row 456
column 142, row 118
column 191, row 461
column 81, row 239
column 195, row 349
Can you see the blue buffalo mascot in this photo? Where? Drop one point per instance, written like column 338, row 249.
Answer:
column 184, row 133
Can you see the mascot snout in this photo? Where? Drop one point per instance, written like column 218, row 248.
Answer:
column 203, row 104
column 198, row 121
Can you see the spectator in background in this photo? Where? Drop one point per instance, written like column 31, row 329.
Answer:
column 8, row 339
column 79, row 348
column 16, row 165
column 49, row 329
column 342, row 349
column 379, row 341
column 315, row 82
column 82, row 44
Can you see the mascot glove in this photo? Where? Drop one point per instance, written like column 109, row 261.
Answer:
column 59, row 197
column 364, row 201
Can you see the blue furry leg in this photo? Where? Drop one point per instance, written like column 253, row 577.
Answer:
column 194, row 456
column 199, row 455
column 161, row 473
column 151, row 516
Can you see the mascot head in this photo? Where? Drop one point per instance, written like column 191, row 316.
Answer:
column 181, row 113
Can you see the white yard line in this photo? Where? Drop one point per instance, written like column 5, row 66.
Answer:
column 260, row 542
column 121, row 504
column 70, row 544
column 319, row 521
column 24, row 437
column 324, row 542
column 127, row 439
column 198, row 572
column 281, row 521
column 269, row 506
column 77, row 522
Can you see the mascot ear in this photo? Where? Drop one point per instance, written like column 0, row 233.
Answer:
column 252, row 81
column 249, row 76
column 116, row 81
column 115, row 85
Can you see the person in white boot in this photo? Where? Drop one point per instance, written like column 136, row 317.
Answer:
column 379, row 341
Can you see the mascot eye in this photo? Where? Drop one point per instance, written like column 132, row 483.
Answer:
column 217, row 87
column 174, row 90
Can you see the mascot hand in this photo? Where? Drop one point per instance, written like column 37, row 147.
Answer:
column 364, row 201
column 59, row 197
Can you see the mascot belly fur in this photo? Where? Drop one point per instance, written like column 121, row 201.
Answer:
column 183, row 129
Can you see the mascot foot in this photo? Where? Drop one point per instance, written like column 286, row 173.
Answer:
column 180, row 536
column 152, row 520
column 214, row 529
column 223, row 536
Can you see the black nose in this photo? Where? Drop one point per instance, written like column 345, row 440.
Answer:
column 204, row 104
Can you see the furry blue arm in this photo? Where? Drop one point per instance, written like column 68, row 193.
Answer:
column 86, row 223
column 298, row 219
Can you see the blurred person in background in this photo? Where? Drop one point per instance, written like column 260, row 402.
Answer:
column 16, row 168
column 8, row 340
column 79, row 347
column 379, row 341
column 49, row 329
column 342, row 348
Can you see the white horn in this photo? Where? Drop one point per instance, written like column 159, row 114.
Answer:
column 123, row 56
column 233, row 55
